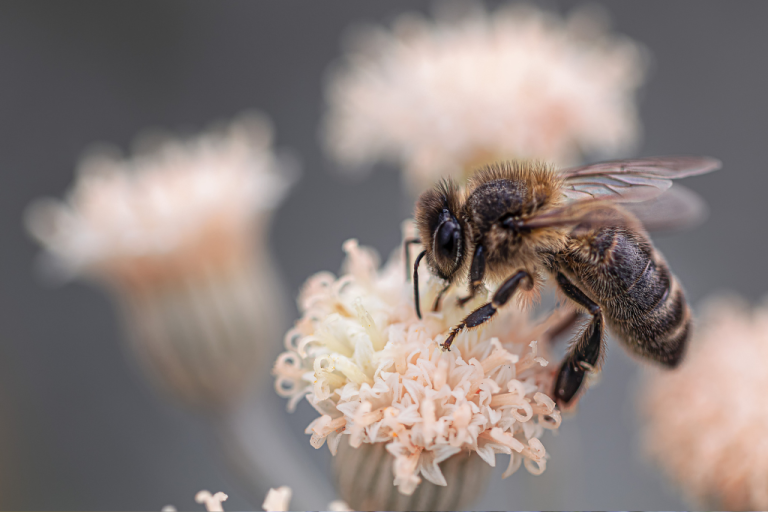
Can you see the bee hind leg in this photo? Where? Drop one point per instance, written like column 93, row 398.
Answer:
column 585, row 352
column 485, row 312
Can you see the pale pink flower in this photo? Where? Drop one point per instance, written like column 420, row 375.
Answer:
column 376, row 374
column 177, row 232
column 440, row 96
column 707, row 421
column 171, row 208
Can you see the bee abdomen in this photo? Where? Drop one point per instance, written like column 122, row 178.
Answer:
column 642, row 300
column 660, row 332
column 649, row 290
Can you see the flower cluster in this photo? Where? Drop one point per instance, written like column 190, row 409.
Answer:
column 376, row 373
column 441, row 96
column 169, row 209
column 707, row 421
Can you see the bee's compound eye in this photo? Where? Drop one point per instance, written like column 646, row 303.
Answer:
column 448, row 240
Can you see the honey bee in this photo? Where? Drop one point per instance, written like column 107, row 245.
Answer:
column 518, row 222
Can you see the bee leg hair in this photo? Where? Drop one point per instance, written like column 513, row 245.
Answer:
column 585, row 352
column 476, row 274
column 485, row 312
column 563, row 325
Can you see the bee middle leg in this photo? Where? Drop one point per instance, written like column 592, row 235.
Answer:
column 485, row 312
column 585, row 352
column 436, row 304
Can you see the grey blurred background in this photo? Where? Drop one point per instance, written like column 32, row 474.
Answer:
column 79, row 429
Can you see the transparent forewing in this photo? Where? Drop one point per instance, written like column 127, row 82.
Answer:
column 592, row 212
column 676, row 209
column 631, row 180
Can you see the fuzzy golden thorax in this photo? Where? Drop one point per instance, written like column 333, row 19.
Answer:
column 502, row 196
column 453, row 222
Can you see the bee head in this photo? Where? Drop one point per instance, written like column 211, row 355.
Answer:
column 442, row 232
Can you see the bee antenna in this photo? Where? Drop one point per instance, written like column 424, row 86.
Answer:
column 416, row 283
column 408, row 242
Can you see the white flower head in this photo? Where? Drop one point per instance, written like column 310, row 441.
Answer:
column 376, row 373
column 181, row 204
column 442, row 96
column 707, row 421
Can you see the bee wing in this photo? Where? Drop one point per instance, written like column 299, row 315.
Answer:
column 593, row 212
column 632, row 180
column 674, row 209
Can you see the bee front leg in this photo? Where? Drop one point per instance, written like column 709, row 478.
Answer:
column 585, row 352
column 485, row 313
column 476, row 274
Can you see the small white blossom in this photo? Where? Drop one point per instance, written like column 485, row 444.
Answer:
column 212, row 502
column 277, row 500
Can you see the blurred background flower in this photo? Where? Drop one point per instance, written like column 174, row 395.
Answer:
column 394, row 407
column 706, row 424
column 439, row 97
column 176, row 232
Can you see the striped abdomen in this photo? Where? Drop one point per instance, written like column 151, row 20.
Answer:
column 643, row 303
